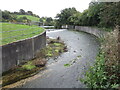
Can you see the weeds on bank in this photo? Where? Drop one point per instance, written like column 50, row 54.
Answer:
column 97, row 76
column 54, row 48
column 105, row 72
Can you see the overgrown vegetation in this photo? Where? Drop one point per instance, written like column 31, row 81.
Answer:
column 105, row 72
column 54, row 48
column 100, row 14
column 13, row 32
column 32, row 67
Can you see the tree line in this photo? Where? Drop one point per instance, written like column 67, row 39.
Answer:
column 8, row 16
column 100, row 14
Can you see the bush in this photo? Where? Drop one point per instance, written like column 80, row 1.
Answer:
column 97, row 77
column 105, row 72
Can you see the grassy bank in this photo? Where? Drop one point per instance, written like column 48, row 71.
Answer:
column 105, row 72
column 32, row 18
column 29, row 68
column 13, row 32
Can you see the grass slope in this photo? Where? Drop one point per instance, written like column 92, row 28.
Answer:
column 32, row 18
column 13, row 32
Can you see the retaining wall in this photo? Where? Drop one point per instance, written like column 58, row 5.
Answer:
column 14, row 53
column 68, row 27
column 92, row 30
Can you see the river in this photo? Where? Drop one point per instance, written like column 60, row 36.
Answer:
column 82, row 50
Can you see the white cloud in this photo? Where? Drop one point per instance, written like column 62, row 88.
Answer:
column 44, row 7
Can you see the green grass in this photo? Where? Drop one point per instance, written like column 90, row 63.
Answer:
column 24, row 31
column 57, row 44
column 54, row 48
column 28, row 66
column 66, row 65
column 32, row 18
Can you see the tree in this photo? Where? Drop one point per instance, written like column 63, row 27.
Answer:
column 30, row 13
column 21, row 11
column 63, row 17
column 74, row 19
column 49, row 21
column 109, row 16
column 6, row 16
column 0, row 15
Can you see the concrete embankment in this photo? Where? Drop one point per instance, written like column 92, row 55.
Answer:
column 14, row 53
column 92, row 30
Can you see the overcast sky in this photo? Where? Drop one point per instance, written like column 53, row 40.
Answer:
column 47, row 8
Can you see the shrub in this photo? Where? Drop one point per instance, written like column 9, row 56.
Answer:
column 105, row 72
column 97, row 76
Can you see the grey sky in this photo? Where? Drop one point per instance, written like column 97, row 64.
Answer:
column 44, row 7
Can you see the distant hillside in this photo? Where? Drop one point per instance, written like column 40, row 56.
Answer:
column 32, row 18
column 23, row 17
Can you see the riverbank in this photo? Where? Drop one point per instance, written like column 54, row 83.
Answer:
column 82, row 49
column 105, row 72
column 29, row 68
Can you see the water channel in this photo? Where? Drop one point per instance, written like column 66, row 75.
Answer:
column 82, row 50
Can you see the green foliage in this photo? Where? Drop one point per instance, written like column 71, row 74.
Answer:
column 54, row 48
column 32, row 18
column 109, row 14
column 96, row 76
column 7, row 16
column 57, row 44
column 63, row 17
column 20, row 16
column 74, row 19
column 66, row 65
column 28, row 67
column 47, row 21
column 21, row 11
column 101, row 14
column 23, row 19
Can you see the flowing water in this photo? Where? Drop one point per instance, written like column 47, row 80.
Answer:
column 66, row 70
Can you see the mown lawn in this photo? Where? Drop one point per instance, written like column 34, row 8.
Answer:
column 13, row 32
column 32, row 18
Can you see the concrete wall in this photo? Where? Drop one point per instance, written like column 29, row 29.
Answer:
column 15, row 52
column 92, row 30
column 68, row 27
